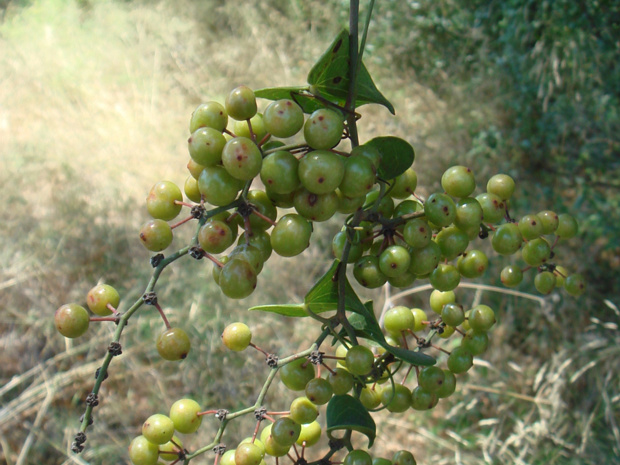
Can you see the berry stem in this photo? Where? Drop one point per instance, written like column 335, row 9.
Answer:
column 183, row 221
column 260, row 215
column 264, row 352
column 103, row 318
column 163, row 315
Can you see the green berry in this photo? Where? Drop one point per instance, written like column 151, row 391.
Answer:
column 419, row 317
column 296, row 374
column 310, row 434
column 238, row 278
column 550, row 221
column 403, row 457
column 291, row 235
column 191, row 190
column 475, row 342
column 544, row 282
column 425, row 260
column 452, row 314
column 501, row 185
column 242, row 158
column 211, row 115
column 242, row 128
column 71, row 320
column 285, row 431
column 507, row 239
column 404, row 185
column 358, row 178
column 217, row 186
column 567, row 226
column 143, row 452
column 511, row 276
column 321, row 171
column 261, row 203
column 449, row 385
column 536, row 252
column 460, row 360
column 481, row 318
column 158, row 429
column 396, row 398
column 398, row 319
column 531, row 227
column 248, row 454
column 445, row 277
column 161, row 201
column 279, row 172
column 359, row 360
column 319, row 391
column 205, row 146
column 215, row 236
column 237, row 336
column 339, row 241
column 303, row 410
column 184, row 415
column 458, row 181
column 241, row 103
column 357, row 457
column 469, row 214
column 575, row 284
column 417, row 233
column 171, row 450
column 368, row 273
column 440, row 209
column 173, row 344
column 156, row 235
column 283, row 118
column 493, row 207
column 323, row 129
column 439, row 299
column 423, row 399
column 370, row 397
column 473, row 264
column 394, row 261
column 452, row 242
column 99, row 297
column 431, row 378
column 341, row 381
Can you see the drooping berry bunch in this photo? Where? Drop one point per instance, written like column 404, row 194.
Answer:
column 258, row 182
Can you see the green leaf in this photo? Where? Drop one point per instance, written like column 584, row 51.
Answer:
column 397, row 155
column 292, row 310
column 409, row 356
column 347, row 413
column 307, row 103
column 330, row 76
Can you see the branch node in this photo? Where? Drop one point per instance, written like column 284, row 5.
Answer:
column 260, row 413
column 221, row 414
column 115, row 349
column 92, row 400
column 156, row 260
column 150, row 298
column 272, row 361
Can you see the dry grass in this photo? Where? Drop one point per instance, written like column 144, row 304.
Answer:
column 94, row 105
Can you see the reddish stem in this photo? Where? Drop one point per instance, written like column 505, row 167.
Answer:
column 183, row 221
column 264, row 352
column 213, row 259
column 163, row 316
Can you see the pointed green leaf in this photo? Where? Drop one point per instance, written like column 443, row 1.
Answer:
column 397, row 155
column 292, row 310
column 307, row 103
column 330, row 76
column 347, row 413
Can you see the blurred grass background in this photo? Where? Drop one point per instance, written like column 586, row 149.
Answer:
column 95, row 98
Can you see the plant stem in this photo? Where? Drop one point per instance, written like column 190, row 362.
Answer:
column 354, row 7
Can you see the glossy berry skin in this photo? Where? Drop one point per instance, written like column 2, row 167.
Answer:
column 341, row 381
column 279, row 172
column 386, row 204
column 261, row 240
column 369, row 152
column 357, row 457
column 507, row 239
column 262, row 204
column 158, row 429
column 452, row 242
column 241, row 103
column 358, row 178
column 394, row 261
column 319, row 391
column 248, row 454
column 536, row 252
column 215, row 236
column 370, row 398
column 310, row 434
column 315, row 207
column 143, row 452
column 452, row 314
column 425, row 260
column 458, row 181
column 439, row 299
column 205, row 146
column 303, row 411
column 173, row 344
column 183, row 414
column 160, row 202
column 404, row 185
column 250, row 254
column 420, row 317
column 422, row 399
column 493, row 207
column 368, row 273
column 170, row 451
column 285, row 431
column 396, row 398
column 445, row 277
column 575, row 284
column 403, row 457
column 237, row 278
column 440, row 209
column 501, row 185
column 283, row 118
column 190, row 188
column 531, row 227
column 323, row 129
column 544, row 282
column 460, row 360
column 473, row 264
column 71, row 320
column 348, row 205
column 449, row 385
column 339, row 241
column 237, row 336
column 296, row 374
column 242, row 128
column 431, row 378
column 321, row 171
column 242, row 158
column 468, row 214
column 359, row 360
column 156, row 235
column 210, row 115
column 567, row 226
column 398, row 319
column 217, row 186
column 99, row 297
column 511, row 276
column 550, row 221
column 272, row 447
column 291, row 235
column 417, row 233
column 475, row 342
column 481, row 318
